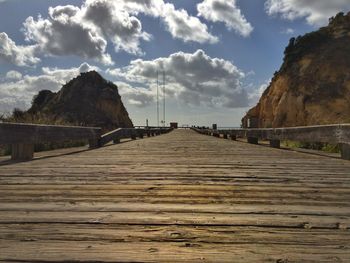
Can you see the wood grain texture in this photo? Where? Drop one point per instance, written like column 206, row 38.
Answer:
column 179, row 197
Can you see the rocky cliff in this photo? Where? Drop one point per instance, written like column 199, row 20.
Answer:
column 88, row 100
column 313, row 85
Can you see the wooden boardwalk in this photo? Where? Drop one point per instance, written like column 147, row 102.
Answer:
column 179, row 197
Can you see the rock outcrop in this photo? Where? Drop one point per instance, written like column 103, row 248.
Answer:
column 87, row 100
column 313, row 85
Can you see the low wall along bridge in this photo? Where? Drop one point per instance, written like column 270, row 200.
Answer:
column 182, row 196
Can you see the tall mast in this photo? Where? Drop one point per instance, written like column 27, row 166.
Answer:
column 157, row 100
column 164, row 98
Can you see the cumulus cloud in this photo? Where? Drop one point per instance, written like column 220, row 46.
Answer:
column 188, row 28
column 148, row 7
column 225, row 11
column 195, row 79
column 137, row 96
column 86, row 30
column 17, row 55
column 64, row 33
column 256, row 92
column 17, row 91
column 178, row 22
column 13, row 75
column 288, row 31
column 116, row 24
column 315, row 12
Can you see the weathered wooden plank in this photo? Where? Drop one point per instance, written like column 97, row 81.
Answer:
column 176, row 208
column 168, row 252
column 178, row 197
column 152, row 191
column 166, row 218
column 173, row 189
column 180, row 200
column 153, row 195
column 171, row 233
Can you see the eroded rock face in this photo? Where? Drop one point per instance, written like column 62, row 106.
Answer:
column 88, row 100
column 313, row 85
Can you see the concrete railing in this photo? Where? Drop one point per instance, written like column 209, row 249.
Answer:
column 22, row 137
column 334, row 134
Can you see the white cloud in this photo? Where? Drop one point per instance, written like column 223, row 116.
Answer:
column 148, row 7
column 13, row 75
column 188, row 28
column 288, row 31
column 194, row 79
column 138, row 96
column 256, row 92
column 178, row 22
column 64, row 75
column 85, row 31
column 18, row 92
column 116, row 24
column 225, row 11
column 85, row 67
column 64, row 33
column 316, row 12
column 17, row 55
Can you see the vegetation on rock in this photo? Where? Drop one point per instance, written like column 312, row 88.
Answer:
column 313, row 85
column 87, row 100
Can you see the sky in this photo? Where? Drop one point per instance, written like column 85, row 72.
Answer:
column 218, row 55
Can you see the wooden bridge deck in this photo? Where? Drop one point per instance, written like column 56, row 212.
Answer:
column 179, row 197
